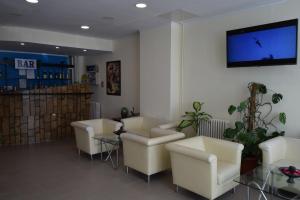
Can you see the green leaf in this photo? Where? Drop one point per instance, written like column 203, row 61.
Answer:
column 261, row 88
column 231, row 109
column 239, row 125
column 261, row 134
column 197, row 106
column 276, row 98
column 242, row 106
column 282, row 118
column 230, row 133
column 184, row 124
column 276, row 134
column 191, row 114
column 247, row 138
column 204, row 114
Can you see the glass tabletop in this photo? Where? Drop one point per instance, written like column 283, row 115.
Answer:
column 108, row 138
column 271, row 181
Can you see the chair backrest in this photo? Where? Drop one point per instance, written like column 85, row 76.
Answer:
column 193, row 143
column 96, row 124
column 148, row 123
column 133, row 123
column 292, row 149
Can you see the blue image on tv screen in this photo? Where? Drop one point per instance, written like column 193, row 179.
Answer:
column 272, row 44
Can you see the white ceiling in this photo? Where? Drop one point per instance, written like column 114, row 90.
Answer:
column 68, row 15
column 50, row 49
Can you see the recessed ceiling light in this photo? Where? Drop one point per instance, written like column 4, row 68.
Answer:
column 22, row 43
column 141, row 5
column 84, row 50
column 32, row 1
column 57, row 47
column 85, row 27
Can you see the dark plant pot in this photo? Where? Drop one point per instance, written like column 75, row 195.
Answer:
column 248, row 164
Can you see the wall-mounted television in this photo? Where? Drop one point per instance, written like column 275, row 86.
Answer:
column 264, row 45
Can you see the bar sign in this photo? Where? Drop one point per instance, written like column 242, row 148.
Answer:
column 25, row 63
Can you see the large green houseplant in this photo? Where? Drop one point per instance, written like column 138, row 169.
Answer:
column 193, row 118
column 257, row 123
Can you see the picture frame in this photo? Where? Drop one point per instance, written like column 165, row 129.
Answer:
column 113, row 78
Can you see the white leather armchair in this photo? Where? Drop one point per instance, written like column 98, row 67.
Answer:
column 140, row 125
column 281, row 151
column 86, row 130
column 147, row 153
column 206, row 166
column 189, row 132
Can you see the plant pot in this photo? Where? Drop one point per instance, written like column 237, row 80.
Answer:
column 248, row 164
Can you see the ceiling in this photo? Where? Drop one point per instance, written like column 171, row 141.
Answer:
column 50, row 49
column 111, row 18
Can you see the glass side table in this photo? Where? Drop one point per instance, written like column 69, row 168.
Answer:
column 111, row 142
column 269, row 181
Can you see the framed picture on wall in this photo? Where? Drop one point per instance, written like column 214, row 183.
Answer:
column 113, row 78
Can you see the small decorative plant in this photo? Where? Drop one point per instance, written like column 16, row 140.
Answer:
column 193, row 118
column 256, row 124
column 124, row 112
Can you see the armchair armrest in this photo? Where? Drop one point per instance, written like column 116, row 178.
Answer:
column 151, row 141
column 193, row 153
column 134, row 138
column 132, row 123
column 273, row 150
column 109, row 126
column 83, row 127
column 225, row 150
column 171, row 125
column 156, row 132
column 165, row 139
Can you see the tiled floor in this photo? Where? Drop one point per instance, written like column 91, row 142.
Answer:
column 55, row 171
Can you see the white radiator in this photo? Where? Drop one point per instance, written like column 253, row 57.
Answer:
column 213, row 128
column 95, row 110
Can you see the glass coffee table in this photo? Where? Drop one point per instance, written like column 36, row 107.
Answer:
column 270, row 181
column 111, row 143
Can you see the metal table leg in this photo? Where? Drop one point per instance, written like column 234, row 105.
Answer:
column 101, row 149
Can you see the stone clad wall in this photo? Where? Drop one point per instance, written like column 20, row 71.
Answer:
column 42, row 115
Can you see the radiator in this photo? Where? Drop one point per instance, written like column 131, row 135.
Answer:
column 213, row 128
column 95, row 110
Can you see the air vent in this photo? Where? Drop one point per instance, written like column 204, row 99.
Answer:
column 178, row 15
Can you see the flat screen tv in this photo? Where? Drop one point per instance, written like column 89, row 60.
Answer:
column 269, row 44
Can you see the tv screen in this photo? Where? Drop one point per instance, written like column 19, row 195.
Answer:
column 270, row 44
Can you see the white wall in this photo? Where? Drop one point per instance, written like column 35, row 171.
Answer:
column 206, row 78
column 155, row 52
column 160, row 53
column 175, row 69
column 127, row 50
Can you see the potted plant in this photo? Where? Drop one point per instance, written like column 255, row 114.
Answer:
column 124, row 112
column 193, row 118
column 257, row 123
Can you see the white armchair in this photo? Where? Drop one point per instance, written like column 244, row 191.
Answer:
column 140, row 125
column 206, row 166
column 189, row 132
column 86, row 130
column 147, row 153
column 281, row 151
